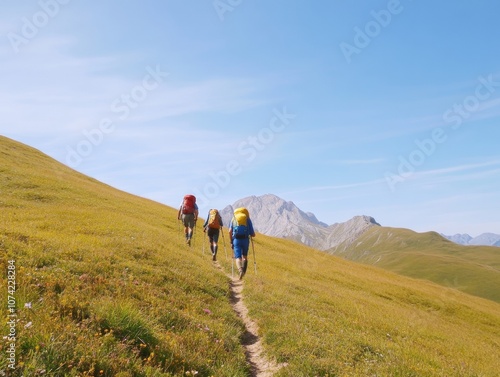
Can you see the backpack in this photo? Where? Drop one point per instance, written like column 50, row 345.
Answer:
column 188, row 204
column 213, row 219
column 240, row 228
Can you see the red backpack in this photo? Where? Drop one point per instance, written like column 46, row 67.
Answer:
column 188, row 204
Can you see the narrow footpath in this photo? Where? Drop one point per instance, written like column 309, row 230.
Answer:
column 259, row 364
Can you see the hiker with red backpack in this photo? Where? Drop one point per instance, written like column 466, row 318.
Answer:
column 212, row 227
column 240, row 231
column 188, row 213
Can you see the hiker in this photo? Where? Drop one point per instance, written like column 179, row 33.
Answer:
column 212, row 227
column 188, row 213
column 240, row 231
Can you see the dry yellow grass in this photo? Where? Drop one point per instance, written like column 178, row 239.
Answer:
column 106, row 287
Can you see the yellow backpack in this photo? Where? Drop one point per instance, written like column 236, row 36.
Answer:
column 213, row 219
column 240, row 218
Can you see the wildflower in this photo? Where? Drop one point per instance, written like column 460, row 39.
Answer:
column 27, row 305
column 207, row 311
column 28, row 325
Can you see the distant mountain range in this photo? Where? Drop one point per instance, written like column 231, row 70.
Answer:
column 485, row 239
column 473, row 269
column 273, row 216
column 276, row 217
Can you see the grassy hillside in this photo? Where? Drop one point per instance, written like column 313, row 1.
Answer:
column 106, row 287
column 471, row 269
column 105, row 283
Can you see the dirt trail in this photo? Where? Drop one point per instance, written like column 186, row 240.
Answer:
column 260, row 365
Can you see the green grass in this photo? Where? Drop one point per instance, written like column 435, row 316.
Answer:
column 471, row 269
column 111, row 284
column 326, row 316
column 113, row 291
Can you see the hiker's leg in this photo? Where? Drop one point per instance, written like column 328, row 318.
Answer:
column 245, row 264
column 244, row 254
column 238, row 256
column 190, row 223
column 210, row 234
column 185, row 222
column 215, row 239
column 213, row 249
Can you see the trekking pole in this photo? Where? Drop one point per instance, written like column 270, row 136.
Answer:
column 254, row 261
column 203, row 250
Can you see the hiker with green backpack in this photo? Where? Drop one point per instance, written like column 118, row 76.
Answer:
column 212, row 228
column 240, row 231
column 188, row 213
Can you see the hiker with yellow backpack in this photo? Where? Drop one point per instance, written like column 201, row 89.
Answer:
column 212, row 227
column 240, row 231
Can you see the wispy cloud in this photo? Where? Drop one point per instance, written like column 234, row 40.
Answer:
column 372, row 161
column 464, row 172
column 460, row 169
column 371, row 183
column 64, row 92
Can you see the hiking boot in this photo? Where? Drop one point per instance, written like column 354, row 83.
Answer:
column 188, row 241
column 242, row 273
column 214, row 257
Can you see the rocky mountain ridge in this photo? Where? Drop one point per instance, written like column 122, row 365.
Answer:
column 484, row 239
column 276, row 217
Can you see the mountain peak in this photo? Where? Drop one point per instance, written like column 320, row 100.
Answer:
column 485, row 239
column 363, row 219
column 274, row 216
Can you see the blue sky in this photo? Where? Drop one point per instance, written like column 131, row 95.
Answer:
column 380, row 108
